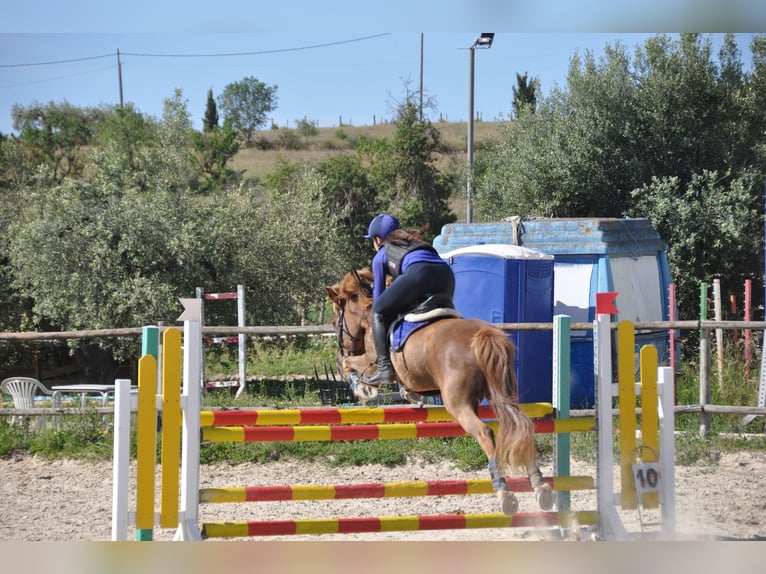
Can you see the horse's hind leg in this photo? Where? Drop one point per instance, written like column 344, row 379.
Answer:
column 543, row 491
column 509, row 504
column 475, row 427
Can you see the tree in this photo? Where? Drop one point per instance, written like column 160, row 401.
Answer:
column 404, row 171
column 123, row 130
column 298, row 250
column 210, row 120
column 350, row 196
column 713, row 225
column 214, row 149
column 246, row 104
column 54, row 134
column 664, row 134
column 524, row 94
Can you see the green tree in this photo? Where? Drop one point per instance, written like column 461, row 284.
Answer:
column 246, row 103
column 306, row 127
column 350, row 196
column 298, row 250
column 524, row 94
column 213, row 150
column 714, row 225
column 54, row 134
column 210, row 119
column 405, row 174
column 644, row 136
column 167, row 163
column 123, row 131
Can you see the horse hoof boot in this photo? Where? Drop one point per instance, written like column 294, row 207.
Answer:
column 509, row 503
column 544, row 495
column 365, row 393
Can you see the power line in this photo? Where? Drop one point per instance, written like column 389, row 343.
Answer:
column 57, row 61
column 32, row 82
column 260, row 52
column 215, row 55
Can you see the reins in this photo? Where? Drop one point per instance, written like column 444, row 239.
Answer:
column 342, row 329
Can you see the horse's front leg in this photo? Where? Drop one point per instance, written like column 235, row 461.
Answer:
column 354, row 369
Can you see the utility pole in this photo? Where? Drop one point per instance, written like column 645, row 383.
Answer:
column 421, row 76
column 119, row 74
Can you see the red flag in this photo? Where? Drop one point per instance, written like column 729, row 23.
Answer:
column 605, row 303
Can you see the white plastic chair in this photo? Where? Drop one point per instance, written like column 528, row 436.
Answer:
column 23, row 391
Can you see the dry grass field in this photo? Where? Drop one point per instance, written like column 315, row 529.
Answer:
column 267, row 147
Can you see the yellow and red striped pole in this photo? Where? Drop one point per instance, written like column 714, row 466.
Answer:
column 382, row 490
column 395, row 524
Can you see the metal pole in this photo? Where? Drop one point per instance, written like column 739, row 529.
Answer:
column 421, row 76
column 119, row 73
column 242, row 342
column 469, row 212
column 704, row 397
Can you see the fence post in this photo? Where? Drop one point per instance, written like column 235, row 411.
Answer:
column 562, row 398
column 241, row 340
column 188, row 528
column 704, row 364
column 121, row 457
column 200, row 294
column 718, row 332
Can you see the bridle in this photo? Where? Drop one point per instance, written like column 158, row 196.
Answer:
column 342, row 328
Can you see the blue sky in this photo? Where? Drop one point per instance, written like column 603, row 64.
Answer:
column 337, row 61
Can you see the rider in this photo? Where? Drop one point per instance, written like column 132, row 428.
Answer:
column 419, row 272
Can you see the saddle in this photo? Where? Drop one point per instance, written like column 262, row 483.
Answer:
column 435, row 307
column 432, row 309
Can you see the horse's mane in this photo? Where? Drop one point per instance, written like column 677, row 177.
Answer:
column 357, row 282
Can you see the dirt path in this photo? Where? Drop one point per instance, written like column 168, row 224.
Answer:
column 69, row 500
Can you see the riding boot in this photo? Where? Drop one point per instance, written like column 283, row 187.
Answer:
column 385, row 371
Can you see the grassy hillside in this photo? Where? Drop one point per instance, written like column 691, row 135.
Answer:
column 268, row 145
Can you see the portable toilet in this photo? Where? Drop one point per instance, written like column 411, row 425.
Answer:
column 511, row 284
column 592, row 255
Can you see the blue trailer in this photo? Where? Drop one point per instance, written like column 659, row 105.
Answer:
column 590, row 255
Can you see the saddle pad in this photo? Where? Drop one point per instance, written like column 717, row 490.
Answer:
column 402, row 331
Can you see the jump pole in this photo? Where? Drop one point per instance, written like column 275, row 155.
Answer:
column 121, row 457
column 609, row 521
column 188, row 528
column 561, row 401
column 239, row 295
column 649, row 482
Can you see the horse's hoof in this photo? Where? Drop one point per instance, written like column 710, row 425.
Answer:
column 411, row 397
column 365, row 393
column 509, row 504
column 544, row 495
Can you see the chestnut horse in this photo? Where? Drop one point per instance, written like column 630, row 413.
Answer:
column 465, row 361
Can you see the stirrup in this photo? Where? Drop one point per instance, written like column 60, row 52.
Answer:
column 383, row 375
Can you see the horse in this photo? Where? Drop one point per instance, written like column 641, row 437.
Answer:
column 463, row 360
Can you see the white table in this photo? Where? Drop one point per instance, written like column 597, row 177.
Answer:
column 83, row 390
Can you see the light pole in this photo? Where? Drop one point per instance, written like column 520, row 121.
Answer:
column 485, row 42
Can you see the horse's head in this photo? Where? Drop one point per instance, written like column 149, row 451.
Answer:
column 352, row 301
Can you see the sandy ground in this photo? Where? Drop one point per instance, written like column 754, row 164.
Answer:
column 72, row 500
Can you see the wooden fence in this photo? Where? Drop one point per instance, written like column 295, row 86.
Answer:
column 705, row 327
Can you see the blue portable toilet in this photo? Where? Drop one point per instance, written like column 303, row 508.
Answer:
column 511, row 284
column 591, row 255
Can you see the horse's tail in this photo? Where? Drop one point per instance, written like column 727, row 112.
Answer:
column 515, row 440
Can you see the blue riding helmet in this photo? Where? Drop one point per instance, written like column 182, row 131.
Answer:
column 381, row 225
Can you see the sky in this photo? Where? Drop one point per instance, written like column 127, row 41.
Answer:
column 331, row 62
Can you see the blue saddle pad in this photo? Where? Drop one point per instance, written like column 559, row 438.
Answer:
column 403, row 330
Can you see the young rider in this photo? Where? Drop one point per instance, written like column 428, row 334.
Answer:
column 418, row 272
